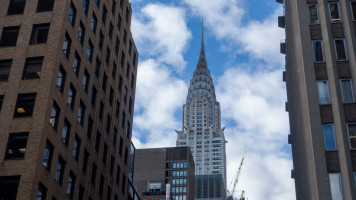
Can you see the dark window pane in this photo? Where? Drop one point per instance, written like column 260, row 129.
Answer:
column 59, row 170
column 45, row 5
column 101, row 40
column 81, row 33
column 16, row 7
column 76, row 147
column 90, row 50
column 53, row 120
column 71, row 185
column 72, row 13
column 97, row 141
column 39, row 33
column 113, row 7
column 71, row 96
column 16, row 146
column 97, row 67
column 340, row 50
column 118, row 171
column 32, row 68
column 334, row 12
column 61, row 77
column 86, row 6
column 353, row 7
column 93, row 23
column 47, row 155
column 9, row 36
column 5, row 66
column 93, row 96
column 8, row 187
column 1, row 100
column 81, row 113
column 90, row 127
column 66, row 45
column 85, row 161
column 93, row 174
column 108, row 123
column 66, row 132
column 85, row 81
column 41, row 192
column 121, row 146
column 105, row 152
column 25, row 104
column 76, row 63
column 105, row 11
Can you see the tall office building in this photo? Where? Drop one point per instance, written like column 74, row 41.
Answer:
column 201, row 129
column 320, row 68
column 67, row 90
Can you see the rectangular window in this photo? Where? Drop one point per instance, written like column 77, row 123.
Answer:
column 66, row 45
column 134, row 59
column 126, row 156
column 120, row 83
column 123, row 184
column 347, row 91
column 9, row 36
column 101, row 185
column 103, row 17
column 119, row 22
column 76, row 147
column 16, row 146
column 5, row 67
column 81, row 192
column 123, row 119
column 41, row 192
column 66, row 132
column 85, row 6
column 105, row 152
column 97, row 67
column 318, row 50
column 25, row 104
column 39, row 33
column 121, row 146
column 132, row 81
column 323, row 91
column 122, row 58
column 130, row 47
column 97, row 141
column 93, row 174
column 45, row 5
column 128, row 129
column 71, row 184
column 117, row 45
column 85, row 161
column 117, row 109
column 81, row 33
column 108, row 193
column 127, row 15
column 93, row 96
column 32, row 68
column 61, row 77
column 81, row 112
column 1, row 100
column 101, row 111
column 76, row 63
column 108, row 123
column 47, row 156
column 353, row 9
column 113, row 72
column 107, row 56
column 105, row 80
column 125, row 95
column 71, row 96
column 16, row 7
column 351, row 128
column 334, row 10
column 340, row 49
column 111, row 96
column 8, row 187
column 336, row 186
column 125, row 36
column 90, row 50
column 130, row 105
column 72, row 13
column 85, row 81
column 59, row 170
column 113, row 7
column 90, row 127
column 329, row 137
column 93, row 23
column 118, row 171
column 127, row 70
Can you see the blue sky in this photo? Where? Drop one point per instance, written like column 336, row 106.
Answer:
column 242, row 47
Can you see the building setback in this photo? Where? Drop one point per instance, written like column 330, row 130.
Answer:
column 320, row 68
column 67, row 89
column 155, row 168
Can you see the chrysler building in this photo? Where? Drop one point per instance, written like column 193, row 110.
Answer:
column 201, row 129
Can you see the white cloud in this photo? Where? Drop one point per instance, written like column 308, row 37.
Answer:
column 255, row 103
column 158, row 96
column 161, row 31
column 224, row 19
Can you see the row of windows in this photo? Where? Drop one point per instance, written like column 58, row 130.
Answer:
column 329, row 136
column 18, row 6
column 346, row 91
column 10, row 34
column 340, row 50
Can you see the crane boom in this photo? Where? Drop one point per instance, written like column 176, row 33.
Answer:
column 237, row 177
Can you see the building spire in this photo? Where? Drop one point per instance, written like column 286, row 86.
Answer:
column 202, row 60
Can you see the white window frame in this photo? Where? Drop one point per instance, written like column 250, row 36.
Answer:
column 317, row 11
column 322, row 50
column 337, row 58
column 352, row 90
column 348, row 134
column 327, row 83
column 338, row 7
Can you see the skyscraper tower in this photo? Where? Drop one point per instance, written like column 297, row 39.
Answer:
column 201, row 129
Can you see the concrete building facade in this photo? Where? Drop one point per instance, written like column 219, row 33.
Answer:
column 67, row 89
column 165, row 171
column 320, row 71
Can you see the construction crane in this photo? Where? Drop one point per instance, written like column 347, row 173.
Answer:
column 242, row 197
column 230, row 195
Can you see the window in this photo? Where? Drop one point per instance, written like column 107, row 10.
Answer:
column 25, row 104
column 125, row 94
column 105, row 80
column 85, row 161
column 130, row 47
column 334, row 10
column 119, row 22
column 117, row 45
column 5, row 66
column 32, row 68
column 130, row 105
column 41, row 192
column 93, row 174
column 93, row 23
column 336, row 186
column 90, row 50
column 45, row 5
column 340, row 50
column 103, row 17
column 90, row 127
column 66, row 132
column 85, row 81
column 76, row 63
column 97, row 141
column 111, row 96
column 81, row 193
column 128, row 129
column 81, row 112
column 353, row 9
column 134, row 59
column 39, row 33
column 118, row 170
column 123, row 119
column 101, row 40
column 8, row 187
column 108, row 123
column 71, row 96
column 121, row 146
column 1, row 100
column 346, row 91
column 111, row 28
column 16, row 146
column 71, row 184
column 16, row 7
column 97, row 2
column 108, row 193
column 117, row 109
column 76, row 147
column 59, row 170
column 122, row 58
column 125, row 36
column 107, row 56
column 113, row 7
column 97, row 67
column 85, row 6
column 101, row 185
column 120, row 83
column 318, row 50
column 127, row 15
column 123, row 184
column 351, row 128
column 132, row 80
column 126, row 155
column 105, row 152
column 93, row 96
column 47, row 156
column 114, row 137
column 113, row 72
column 329, row 137
column 313, row 14
column 9, row 36
column 61, row 78
column 66, row 45
column 323, row 91
column 127, row 70
column 81, row 33
column 72, row 13
column 101, row 110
